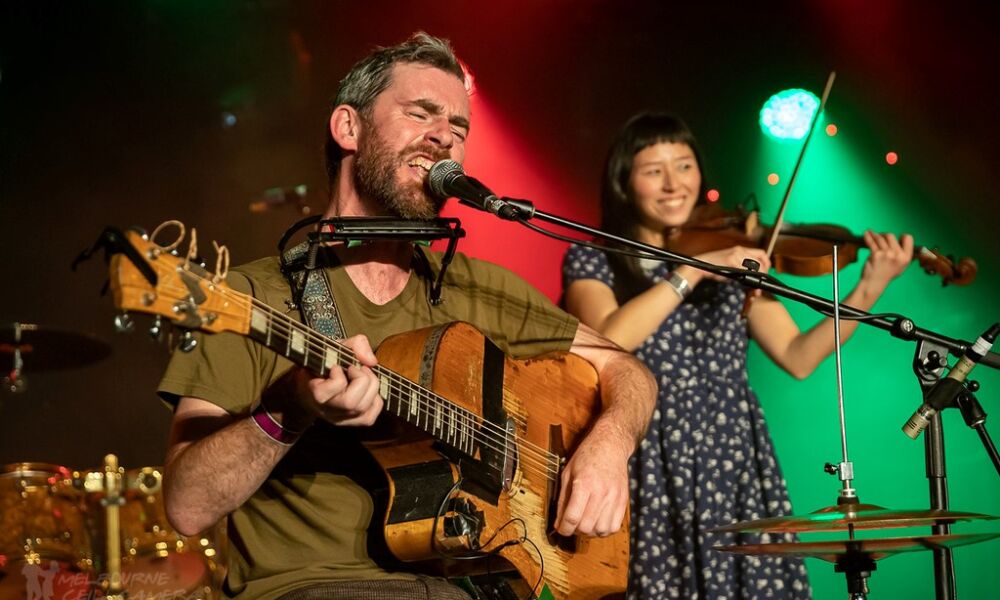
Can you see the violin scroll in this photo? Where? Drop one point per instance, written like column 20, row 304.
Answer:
column 934, row 263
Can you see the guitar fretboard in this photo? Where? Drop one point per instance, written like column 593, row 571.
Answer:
column 405, row 399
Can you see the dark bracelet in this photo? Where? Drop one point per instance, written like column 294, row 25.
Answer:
column 272, row 428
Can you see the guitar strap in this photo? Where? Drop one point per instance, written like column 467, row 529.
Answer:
column 311, row 291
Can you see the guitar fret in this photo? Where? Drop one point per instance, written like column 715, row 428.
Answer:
column 259, row 321
column 330, row 357
column 401, row 397
column 296, row 343
column 383, row 387
column 414, row 406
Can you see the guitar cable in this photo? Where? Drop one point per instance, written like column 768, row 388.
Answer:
column 487, row 555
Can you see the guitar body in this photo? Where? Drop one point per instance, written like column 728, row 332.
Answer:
column 547, row 405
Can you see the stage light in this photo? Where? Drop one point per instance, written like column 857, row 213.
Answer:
column 712, row 195
column 891, row 158
column 787, row 114
column 831, row 130
column 773, row 179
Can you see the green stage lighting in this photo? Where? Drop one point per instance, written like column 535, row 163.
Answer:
column 787, row 114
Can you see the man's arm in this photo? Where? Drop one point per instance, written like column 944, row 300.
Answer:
column 594, row 493
column 216, row 461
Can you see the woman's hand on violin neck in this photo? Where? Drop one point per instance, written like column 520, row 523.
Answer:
column 733, row 257
column 888, row 259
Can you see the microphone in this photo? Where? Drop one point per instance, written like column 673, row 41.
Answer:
column 447, row 179
column 945, row 390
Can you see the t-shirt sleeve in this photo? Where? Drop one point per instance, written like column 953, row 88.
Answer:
column 226, row 369
column 581, row 262
column 510, row 311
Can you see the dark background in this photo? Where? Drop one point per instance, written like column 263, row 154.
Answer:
column 112, row 113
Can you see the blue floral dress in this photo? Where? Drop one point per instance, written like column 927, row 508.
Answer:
column 707, row 458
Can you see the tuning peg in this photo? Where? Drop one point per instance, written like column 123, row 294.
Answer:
column 124, row 322
column 156, row 329
column 188, row 342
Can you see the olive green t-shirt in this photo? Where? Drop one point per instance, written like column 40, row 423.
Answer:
column 308, row 521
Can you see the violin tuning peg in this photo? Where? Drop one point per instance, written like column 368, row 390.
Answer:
column 124, row 323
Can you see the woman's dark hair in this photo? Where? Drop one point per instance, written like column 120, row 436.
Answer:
column 618, row 211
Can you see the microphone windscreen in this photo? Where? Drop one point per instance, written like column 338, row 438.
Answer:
column 439, row 174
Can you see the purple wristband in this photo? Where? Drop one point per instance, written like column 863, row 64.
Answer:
column 272, row 428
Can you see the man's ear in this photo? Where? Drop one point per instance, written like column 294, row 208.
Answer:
column 345, row 126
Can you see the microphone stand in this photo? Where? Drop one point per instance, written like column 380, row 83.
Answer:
column 931, row 352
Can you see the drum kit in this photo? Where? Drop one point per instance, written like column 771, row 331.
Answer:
column 98, row 533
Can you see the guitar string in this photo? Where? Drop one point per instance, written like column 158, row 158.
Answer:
column 316, row 340
column 542, row 460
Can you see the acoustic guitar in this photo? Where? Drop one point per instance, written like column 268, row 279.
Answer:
column 482, row 480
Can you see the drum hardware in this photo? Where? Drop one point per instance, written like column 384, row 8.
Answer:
column 98, row 533
column 30, row 347
column 856, row 557
column 112, row 503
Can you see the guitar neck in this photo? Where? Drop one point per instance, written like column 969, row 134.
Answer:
column 403, row 398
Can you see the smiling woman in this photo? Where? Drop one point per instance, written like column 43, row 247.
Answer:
column 707, row 458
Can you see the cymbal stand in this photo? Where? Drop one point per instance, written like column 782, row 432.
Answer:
column 856, row 567
column 14, row 381
column 845, row 469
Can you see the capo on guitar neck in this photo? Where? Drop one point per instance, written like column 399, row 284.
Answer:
column 113, row 241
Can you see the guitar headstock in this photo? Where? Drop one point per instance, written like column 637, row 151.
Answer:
column 183, row 291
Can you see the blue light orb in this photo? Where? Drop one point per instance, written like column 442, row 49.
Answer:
column 786, row 115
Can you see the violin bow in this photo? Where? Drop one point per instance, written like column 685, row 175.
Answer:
column 779, row 220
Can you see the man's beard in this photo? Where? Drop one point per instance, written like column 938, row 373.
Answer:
column 376, row 177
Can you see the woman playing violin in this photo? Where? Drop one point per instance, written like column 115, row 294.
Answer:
column 707, row 458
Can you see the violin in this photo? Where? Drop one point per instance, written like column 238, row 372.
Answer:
column 804, row 250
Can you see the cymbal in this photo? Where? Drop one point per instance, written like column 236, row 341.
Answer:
column 45, row 349
column 875, row 549
column 851, row 516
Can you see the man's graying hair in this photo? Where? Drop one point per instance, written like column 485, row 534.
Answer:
column 370, row 76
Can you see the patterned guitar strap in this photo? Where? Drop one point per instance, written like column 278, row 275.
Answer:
column 311, row 292
column 312, row 295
